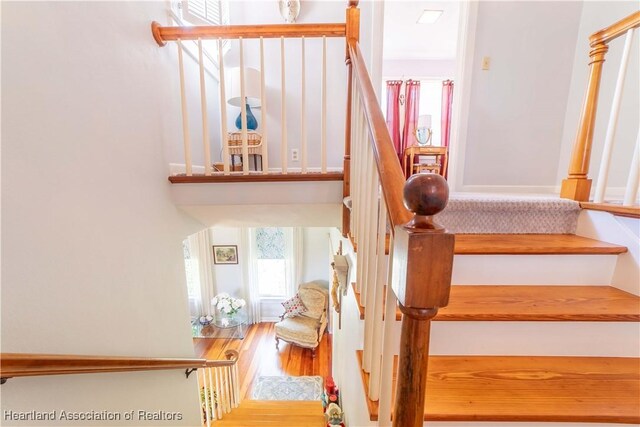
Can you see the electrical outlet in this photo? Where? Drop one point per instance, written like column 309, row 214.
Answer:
column 295, row 155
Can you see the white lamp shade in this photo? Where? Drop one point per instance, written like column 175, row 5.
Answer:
column 251, row 87
column 424, row 121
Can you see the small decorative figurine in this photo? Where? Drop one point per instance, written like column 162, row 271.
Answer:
column 334, row 415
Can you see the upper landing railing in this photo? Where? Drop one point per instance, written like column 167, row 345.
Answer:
column 245, row 144
column 577, row 185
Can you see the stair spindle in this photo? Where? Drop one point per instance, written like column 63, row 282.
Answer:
column 185, row 115
column 224, row 137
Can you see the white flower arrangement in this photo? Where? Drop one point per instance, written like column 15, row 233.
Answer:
column 227, row 304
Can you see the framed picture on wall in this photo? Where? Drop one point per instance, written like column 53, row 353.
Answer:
column 225, row 254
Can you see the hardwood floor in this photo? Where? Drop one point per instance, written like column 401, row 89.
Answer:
column 259, row 356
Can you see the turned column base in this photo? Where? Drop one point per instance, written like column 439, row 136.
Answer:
column 577, row 189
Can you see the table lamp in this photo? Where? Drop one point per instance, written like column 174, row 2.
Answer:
column 423, row 130
column 251, row 94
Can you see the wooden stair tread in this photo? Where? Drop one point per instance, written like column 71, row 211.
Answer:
column 521, row 244
column 525, row 244
column 613, row 208
column 540, row 303
column 301, row 413
column 530, row 389
column 530, row 303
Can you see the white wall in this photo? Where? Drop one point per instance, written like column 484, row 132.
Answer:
column 92, row 260
column 517, row 108
column 418, row 68
column 595, row 16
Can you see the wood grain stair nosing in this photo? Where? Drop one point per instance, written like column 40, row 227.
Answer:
column 527, row 244
column 534, row 303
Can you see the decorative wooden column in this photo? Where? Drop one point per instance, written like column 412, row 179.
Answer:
column 577, row 185
column 352, row 36
column 422, row 266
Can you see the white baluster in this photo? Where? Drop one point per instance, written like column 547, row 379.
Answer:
column 220, row 397
column 389, row 348
column 631, row 192
column 323, row 124
column 232, row 384
column 185, row 116
column 372, row 241
column 202, row 415
column 283, row 112
column 212, row 393
column 355, row 159
column 237, row 381
column 303, row 111
column 205, row 121
column 263, row 111
column 224, row 136
column 206, row 396
column 227, row 388
column 381, row 281
column 605, row 163
column 243, row 112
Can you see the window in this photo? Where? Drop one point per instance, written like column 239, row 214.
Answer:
column 205, row 12
column 271, row 262
column 202, row 12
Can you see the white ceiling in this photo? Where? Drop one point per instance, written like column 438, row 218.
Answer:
column 404, row 38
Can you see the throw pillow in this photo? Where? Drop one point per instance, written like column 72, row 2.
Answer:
column 293, row 307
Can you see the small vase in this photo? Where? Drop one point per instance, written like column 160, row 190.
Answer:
column 252, row 123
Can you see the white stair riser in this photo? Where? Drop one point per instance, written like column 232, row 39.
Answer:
column 598, row 339
column 497, row 338
column 533, row 269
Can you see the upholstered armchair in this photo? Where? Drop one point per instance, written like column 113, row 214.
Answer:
column 305, row 328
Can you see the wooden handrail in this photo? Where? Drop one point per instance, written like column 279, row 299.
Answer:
column 577, row 185
column 615, row 30
column 30, row 364
column 392, row 179
column 162, row 34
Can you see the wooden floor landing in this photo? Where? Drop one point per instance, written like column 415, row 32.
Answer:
column 259, row 356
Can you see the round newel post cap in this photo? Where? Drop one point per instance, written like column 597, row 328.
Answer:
column 425, row 194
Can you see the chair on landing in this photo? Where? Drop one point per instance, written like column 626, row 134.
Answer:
column 305, row 318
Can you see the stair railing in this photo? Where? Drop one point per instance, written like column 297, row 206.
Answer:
column 244, row 33
column 577, row 185
column 420, row 260
column 218, row 381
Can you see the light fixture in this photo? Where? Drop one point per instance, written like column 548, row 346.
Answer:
column 251, row 94
column 429, row 16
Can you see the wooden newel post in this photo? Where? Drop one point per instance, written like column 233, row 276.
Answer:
column 577, row 185
column 422, row 266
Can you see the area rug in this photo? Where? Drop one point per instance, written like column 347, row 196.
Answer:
column 288, row 388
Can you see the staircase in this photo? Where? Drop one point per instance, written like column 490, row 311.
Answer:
column 533, row 332
column 275, row 413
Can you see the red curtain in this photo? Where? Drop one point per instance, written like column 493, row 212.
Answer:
column 412, row 99
column 447, row 101
column 393, row 114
